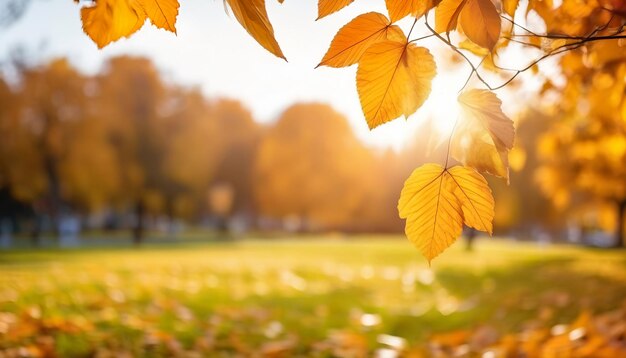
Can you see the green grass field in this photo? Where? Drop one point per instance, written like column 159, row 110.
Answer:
column 320, row 296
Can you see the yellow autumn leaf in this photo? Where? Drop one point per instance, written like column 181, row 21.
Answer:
column 110, row 20
column 436, row 202
column 162, row 13
column 447, row 15
column 473, row 48
column 252, row 15
column 483, row 133
column 481, row 22
column 474, row 148
column 352, row 40
column 510, row 6
column 477, row 203
column 484, row 108
column 434, row 218
column 399, row 9
column 393, row 79
column 327, row 7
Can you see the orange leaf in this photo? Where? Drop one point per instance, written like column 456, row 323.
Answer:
column 327, row 7
column 434, row 218
column 162, row 13
column 473, row 192
column 436, row 201
column 510, row 6
column 252, row 15
column 393, row 79
column 399, row 9
column 447, row 15
column 484, row 135
column 479, row 20
column 110, row 20
column 355, row 37
column 481, row 23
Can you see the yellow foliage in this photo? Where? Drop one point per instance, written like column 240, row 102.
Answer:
column 327, row 7
column 481, row 23
column 479, row 20
column 110, row 20
column 393, row 80
column 399, row 9
column 436, row 201
column 447, row 15
column 352, row 40
column 252, row 15
column 311, row 166
column 162, row 13
column 510, row 6
column 484, row 134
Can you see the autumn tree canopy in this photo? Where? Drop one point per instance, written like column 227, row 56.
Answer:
column 584, row 152
column 158, row 150
column 301, row 167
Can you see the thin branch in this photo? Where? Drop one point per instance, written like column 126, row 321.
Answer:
column 518, row 25
column 422, row 38
column 581, row 41
column 531, row 33
column 455, row 49
column 561, row 49
column 412, row 27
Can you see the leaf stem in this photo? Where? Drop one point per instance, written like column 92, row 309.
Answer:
column 456, row 121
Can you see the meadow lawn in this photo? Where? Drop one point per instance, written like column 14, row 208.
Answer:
column 310, row 296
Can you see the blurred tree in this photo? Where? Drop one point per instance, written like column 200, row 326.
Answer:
column 9, row 205
column 7, row 127
column 584, row 153
column 89, row 170
column 168, row 141
column 522, row 206
column 387, row 173
column 311, row 167
column 238, row 143
column 382, row 177
column 51, row 100
column 193, row 152
column 132, row 97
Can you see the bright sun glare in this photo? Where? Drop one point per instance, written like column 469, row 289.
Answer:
column 443, row 110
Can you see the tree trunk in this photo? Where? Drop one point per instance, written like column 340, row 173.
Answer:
column 54, row 195
column 619, row 235
column 169, row 213
column 138, row 230
column 469, row 239
column 51, row 154
column 35, row 234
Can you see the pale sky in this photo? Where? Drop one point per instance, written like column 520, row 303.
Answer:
column 214, row 52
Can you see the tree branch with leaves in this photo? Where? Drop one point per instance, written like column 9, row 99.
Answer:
column 394, row 79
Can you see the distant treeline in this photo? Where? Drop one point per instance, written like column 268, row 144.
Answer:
column 126, row 146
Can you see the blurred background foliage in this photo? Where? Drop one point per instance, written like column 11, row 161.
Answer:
column 124, row 149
